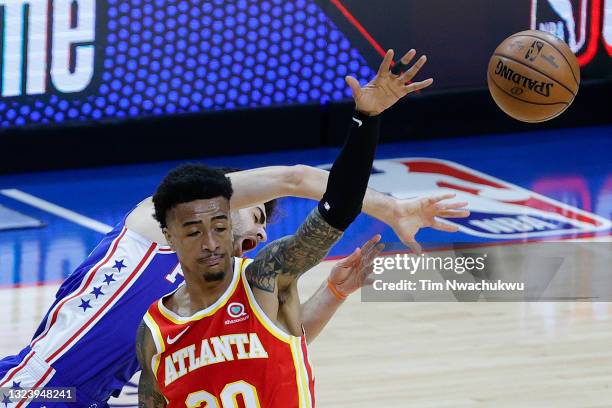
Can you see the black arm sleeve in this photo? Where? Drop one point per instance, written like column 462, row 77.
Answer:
column 349, row 175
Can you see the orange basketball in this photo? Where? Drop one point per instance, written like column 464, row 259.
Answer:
column 533, row 76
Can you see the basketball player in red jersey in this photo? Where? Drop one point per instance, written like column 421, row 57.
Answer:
column 228, row 337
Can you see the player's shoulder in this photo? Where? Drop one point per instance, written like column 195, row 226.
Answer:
column 145, row 343
column 244, row 262
column 244, row 266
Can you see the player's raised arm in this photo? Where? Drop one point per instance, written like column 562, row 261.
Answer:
column 149, row 395
column 252, row 187
column 255, row 186
column 405, row 216
column 347, row 183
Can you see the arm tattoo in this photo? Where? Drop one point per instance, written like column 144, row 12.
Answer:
column 148, row 395
column 140, row 339
column 148, row 392
column 295, row 254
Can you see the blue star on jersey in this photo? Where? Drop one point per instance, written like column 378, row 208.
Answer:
column 109, row 279
column 6, row 400
column 16, row 385
column 85, row 304
column 97, row 291
column 119, row 265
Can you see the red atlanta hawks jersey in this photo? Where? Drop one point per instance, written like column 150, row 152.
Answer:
column 229, row 355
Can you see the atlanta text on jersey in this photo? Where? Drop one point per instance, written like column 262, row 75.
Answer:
column 212, row 351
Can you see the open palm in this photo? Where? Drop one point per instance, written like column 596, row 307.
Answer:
column 354, row 271
column 387, row 88
column 410, row 216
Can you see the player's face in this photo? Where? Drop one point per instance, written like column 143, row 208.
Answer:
column 249, row 228
column 200, row 232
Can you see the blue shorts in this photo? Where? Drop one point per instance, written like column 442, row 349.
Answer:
column 16, row 374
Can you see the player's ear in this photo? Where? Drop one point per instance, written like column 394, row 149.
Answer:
column 168, row 238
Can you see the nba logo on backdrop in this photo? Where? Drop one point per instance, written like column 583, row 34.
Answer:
column 499, row 210
column 567, row 19
column 577, row 22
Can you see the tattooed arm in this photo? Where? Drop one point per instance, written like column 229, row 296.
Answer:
column 149, row 395
column 293, row 255
column 346, row 184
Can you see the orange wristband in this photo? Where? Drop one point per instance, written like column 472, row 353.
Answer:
column 339, row 295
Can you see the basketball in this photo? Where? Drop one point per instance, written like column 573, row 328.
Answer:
column 226, row 202
column 533, row 76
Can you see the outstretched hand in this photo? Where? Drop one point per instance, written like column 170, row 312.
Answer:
column 354, row 271
column 409, row 216
column 387, row 88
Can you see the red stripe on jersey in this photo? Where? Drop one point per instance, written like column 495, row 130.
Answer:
column 108, row 302
column 19, row 367
column 311, row 380
column 91, row 274
column 49, row 370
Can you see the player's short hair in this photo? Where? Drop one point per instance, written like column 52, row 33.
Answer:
column 189, row 182
column 270, row 206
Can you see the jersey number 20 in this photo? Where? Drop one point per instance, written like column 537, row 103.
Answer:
column 228, row 397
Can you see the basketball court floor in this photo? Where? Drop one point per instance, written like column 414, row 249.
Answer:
column 549, row 185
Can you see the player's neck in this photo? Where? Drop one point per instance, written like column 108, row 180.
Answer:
column 200, row 294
